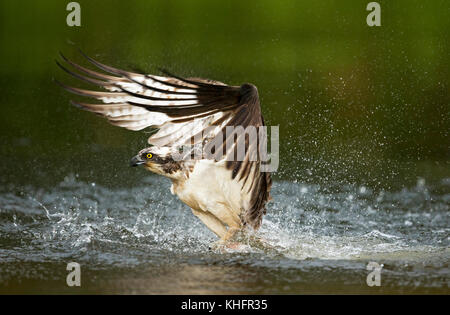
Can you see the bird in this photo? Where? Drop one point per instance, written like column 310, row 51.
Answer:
column 226, row 194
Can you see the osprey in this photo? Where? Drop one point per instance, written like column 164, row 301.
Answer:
column 225, row 194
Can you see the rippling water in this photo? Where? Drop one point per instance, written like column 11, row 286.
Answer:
column 144, row 240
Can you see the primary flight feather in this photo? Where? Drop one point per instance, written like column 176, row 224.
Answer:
column 226, row 194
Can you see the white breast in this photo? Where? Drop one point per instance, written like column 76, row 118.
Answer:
column 210, row 188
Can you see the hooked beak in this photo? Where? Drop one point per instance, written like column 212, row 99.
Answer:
column 136, row 160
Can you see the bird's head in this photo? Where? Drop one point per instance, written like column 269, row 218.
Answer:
column 157, row 160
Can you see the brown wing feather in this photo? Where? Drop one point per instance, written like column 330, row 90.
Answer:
column 136, row 101
column 249, row 114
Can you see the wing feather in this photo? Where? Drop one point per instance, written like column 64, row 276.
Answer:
column 182, row 109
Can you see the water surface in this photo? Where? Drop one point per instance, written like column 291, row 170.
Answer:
column 143, row 240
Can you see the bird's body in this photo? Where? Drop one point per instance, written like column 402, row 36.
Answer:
column 214, row 201
column 225, row 190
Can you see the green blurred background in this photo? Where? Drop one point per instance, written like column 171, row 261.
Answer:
column 355, row 104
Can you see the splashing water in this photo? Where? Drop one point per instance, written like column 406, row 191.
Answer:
column 320, row 240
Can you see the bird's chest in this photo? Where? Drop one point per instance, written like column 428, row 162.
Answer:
column 207, row 188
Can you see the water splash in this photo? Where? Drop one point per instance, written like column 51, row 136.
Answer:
column 145, row 224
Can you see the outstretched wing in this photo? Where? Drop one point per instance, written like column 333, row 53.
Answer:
column 180, row 108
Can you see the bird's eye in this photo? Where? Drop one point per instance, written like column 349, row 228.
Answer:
column 149, row 156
